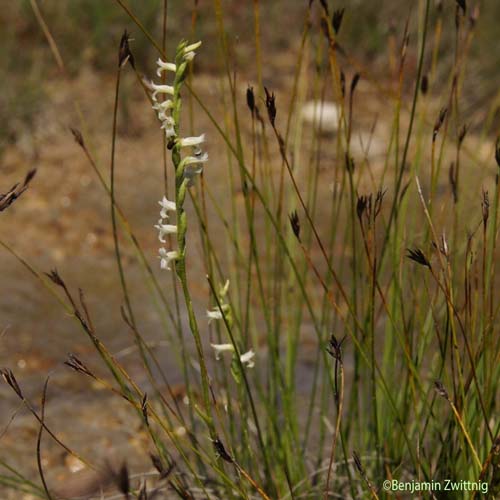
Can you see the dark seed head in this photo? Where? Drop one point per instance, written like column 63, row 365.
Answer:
column 418, row 256
column 357, row 463
column 271, row 106
column 338, row 16
column 342, row 83
column 250, row 99
column 143, row 492
column 349, row 163
column 29, row 177
column 461, row 134
column 485, row 205
column 10, row 379
column 221, row 451
column 75, row 363
column 156, row 461
column 124, row 54
column 378, row 201
column 77, row 135
column 55, row 278
column 361, row 205
column 334, row 348
column 439, row 122
column 122, row 479
column 144, row 408
column 295, row 223
column 424, row 85
column 15, row 191
column 463, row 5
column 452, row 177
column 441, row 390
column 354, row 82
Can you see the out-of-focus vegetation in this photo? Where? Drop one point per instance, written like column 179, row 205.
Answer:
column 86, row 29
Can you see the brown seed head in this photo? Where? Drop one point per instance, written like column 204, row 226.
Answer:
column 324, row 4
column 334, row 348
column 10, row 379
column 337, row 18
column 441, row 390
column 439, row 122
column 270, row 105
column 55, row 278
column 485, row 205
column 221, row 451
column 124, row 53
column 75, row 363
column 424, row 85
column 77, row 135
column 250, row 99
column 463, row 5
column 354, row 82
column 418, row 256
column 462, row 133
column 295, row 223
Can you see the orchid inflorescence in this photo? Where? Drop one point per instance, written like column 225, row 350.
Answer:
column 223, row 311
column 187, row 168
column 168, row 110
column 245, row 358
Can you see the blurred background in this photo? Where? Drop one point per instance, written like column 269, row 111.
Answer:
column 63, row 220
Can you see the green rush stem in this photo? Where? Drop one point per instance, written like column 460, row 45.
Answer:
column 490, row 269
column 273, row 341
column 313, row 227
column 246, row 326
column 113, row 211
column 269, row 214
column 258, row 51
column 21, row 478
column 138, row 338
column 447, row 292
column 39, row 441
column 394, row 208
column 180, row 267
column 141, row 27
column 373, row 287
column 339, row 388
column 247, row 385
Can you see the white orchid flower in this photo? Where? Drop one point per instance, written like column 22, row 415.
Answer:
column 190, row 160
column 215, row 314
column 168, row 126
column 191, row 141
column 220, row 348
column 161, row 89
column 165, row 66
column 167, row 257
column 163, row 106
column 247, row 358
column 165, row 229
column 166, row 206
